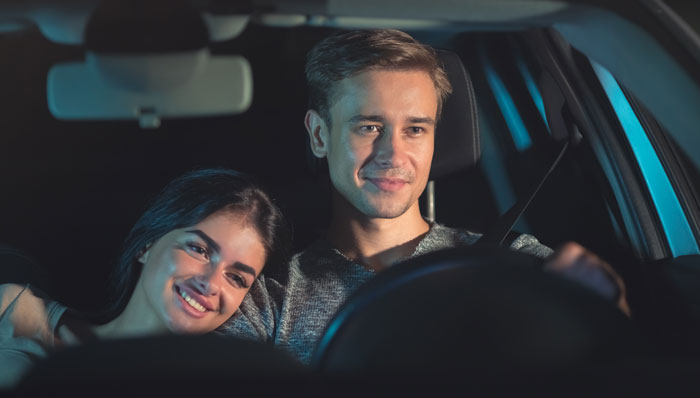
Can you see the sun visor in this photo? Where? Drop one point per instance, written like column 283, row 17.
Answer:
column 150, row 87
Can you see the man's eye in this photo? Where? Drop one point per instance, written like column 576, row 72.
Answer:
column 416, row 130
column 370, row 129
column 237, row 280
column 198, row 250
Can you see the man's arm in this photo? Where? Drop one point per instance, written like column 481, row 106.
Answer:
column 255, row 319
column 574, row 262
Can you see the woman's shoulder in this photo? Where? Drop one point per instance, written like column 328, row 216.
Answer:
column 27, row 311
column 10, row 291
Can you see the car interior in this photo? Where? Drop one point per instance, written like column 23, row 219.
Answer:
column 554, row 103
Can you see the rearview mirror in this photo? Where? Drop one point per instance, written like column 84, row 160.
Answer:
column 148, row 87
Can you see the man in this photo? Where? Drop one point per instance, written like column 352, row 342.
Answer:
column 375, row 101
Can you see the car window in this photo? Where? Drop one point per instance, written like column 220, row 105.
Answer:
column 517, row 148
column 675, row 223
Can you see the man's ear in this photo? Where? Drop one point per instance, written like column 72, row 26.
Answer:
column 318, row 133
column 144, row 253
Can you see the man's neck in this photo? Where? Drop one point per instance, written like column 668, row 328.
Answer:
column 377, row 243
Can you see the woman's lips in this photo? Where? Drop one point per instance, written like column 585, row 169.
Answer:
column 388, row 184
column 193, row 307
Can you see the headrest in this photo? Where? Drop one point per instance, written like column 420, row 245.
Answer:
column 457, row 142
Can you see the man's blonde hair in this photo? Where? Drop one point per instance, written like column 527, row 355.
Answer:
column 347, row 54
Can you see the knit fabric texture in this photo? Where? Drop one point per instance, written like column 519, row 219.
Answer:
column 292, row 310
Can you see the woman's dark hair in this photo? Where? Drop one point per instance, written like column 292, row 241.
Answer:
column 185, row 201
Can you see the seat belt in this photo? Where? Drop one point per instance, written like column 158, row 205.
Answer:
column 499, row 231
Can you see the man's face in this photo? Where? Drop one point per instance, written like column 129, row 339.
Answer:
column 380, row 145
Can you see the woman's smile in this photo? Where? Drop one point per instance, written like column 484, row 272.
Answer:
column 190, row 304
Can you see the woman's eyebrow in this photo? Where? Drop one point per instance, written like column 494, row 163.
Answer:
column 209, row 241
column 213, row 246
column 245, row 268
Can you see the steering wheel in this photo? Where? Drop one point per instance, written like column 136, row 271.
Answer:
column 473, row 312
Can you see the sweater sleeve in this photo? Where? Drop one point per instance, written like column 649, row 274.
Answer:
column 529, row 244
column 255, row 319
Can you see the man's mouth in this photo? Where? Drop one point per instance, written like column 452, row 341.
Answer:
column 388, row 184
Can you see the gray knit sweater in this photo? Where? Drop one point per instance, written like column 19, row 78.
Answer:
column 292, row 310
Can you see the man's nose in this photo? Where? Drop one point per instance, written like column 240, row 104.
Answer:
column 388, row 149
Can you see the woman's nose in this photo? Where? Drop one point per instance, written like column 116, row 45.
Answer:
column 208, row 282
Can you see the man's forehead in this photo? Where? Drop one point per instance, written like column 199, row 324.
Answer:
column 371, row 92
column 373, row 77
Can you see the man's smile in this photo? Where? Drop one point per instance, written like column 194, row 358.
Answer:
column 388, row 184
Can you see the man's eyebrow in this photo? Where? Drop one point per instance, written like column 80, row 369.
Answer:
column 245, row 268
column 210, row 242
column 366, row 118
column 425, row 120
column 379, row 119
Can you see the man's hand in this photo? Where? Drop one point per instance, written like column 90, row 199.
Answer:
column 576, row 263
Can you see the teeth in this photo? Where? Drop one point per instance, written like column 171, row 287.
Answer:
column 192, row 302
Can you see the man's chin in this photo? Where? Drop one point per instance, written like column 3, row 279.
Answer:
column 374, row 204
column 387, row 212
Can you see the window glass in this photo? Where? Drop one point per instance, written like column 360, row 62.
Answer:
column 673, row 219
column 517, row 152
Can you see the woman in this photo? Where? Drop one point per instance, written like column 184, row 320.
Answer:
column 185, row 268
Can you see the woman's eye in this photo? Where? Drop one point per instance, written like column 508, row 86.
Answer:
column 237, row 280
column 199, row 250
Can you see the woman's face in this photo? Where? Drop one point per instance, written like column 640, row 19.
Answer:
column 195, row 278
